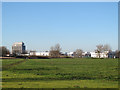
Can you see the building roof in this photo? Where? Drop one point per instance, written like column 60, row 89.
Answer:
column 18, row 43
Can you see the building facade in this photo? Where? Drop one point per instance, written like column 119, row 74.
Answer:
column 70, row 54
column 18, row 48
column 34, row 53
column 102, row 55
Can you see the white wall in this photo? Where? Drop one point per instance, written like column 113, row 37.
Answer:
column 40, row 53
column 70, row 54
column 102, row 55
column 94, row 55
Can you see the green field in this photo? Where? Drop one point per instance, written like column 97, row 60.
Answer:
column 60, row 73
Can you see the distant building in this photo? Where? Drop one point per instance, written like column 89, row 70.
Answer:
column 102, row 55
column 46, row 53
column 94, row 54
column 86, row 54
column 111, row 55
column 63, row 53
column 34, row 53
column 18, row 48
column 71, row 54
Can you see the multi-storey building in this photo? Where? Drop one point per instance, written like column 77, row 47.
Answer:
column 18, row 48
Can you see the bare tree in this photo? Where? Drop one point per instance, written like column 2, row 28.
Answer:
column 78, row 53
column 99, row 49
column 4, row 51
column 103, row 48
column 107, row 47
column 55, row 51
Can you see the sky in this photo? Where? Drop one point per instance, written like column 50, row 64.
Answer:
column 74, row 25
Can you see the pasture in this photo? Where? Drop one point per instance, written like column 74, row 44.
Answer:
column 60, row 73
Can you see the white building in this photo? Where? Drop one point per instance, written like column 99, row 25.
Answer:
column 18, row 48
column 42, row 53
column 94, row 54
column 84, row 53
column 71, row 54
column 45, row 53
column 102, row 55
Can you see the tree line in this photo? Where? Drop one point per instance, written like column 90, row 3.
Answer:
column 55, row 51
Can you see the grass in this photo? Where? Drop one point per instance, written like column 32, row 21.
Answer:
column 9, row 61
column 60, row 73
column 63, row 84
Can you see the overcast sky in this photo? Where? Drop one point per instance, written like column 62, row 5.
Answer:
column 72, row 25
